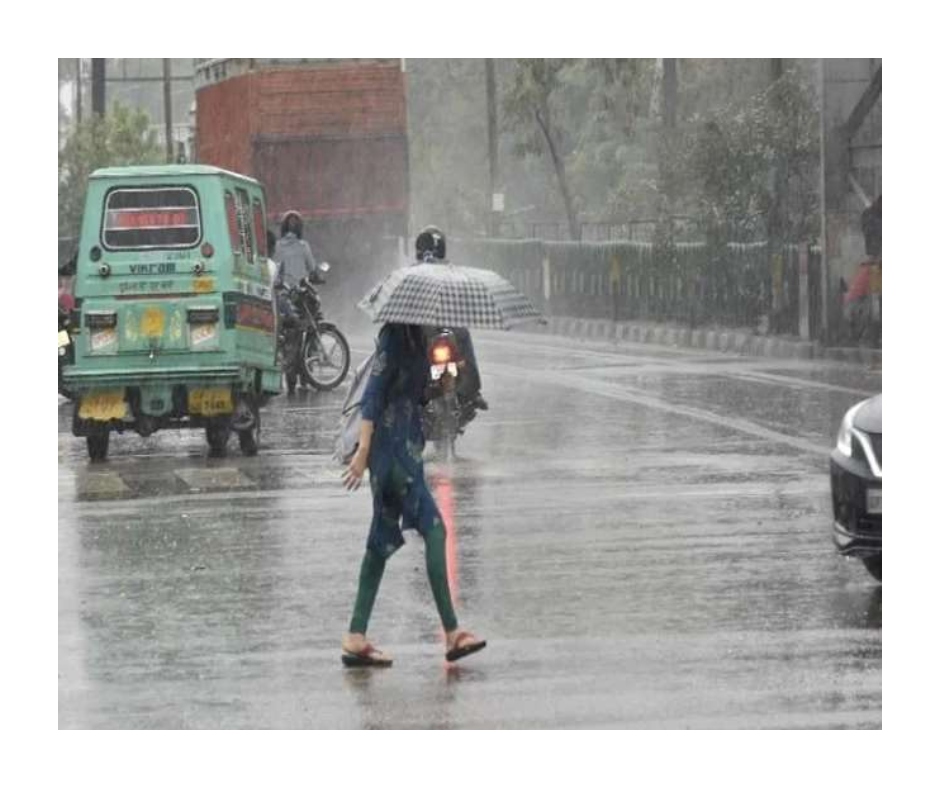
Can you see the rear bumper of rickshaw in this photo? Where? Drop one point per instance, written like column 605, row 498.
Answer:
column 85, row 379
column 162, row 396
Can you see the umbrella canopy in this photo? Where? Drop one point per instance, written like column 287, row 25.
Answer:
column 441, row 294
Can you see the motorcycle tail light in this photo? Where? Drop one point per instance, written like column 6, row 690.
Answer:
column 441, row 353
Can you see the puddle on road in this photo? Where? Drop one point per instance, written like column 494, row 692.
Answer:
column 199, row 479
column 104, row 485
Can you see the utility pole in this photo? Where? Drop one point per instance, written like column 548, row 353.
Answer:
column 168, row 110
column 823, row 200
column 97, row 86
column 670, row 92
column 78, row 90
column 493, row 141
column 776, row 219
column 668, row 98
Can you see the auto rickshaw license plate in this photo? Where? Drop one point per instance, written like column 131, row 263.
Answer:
column 103, row 405
column 63, row 338
column 102, row 338
column 210, row 402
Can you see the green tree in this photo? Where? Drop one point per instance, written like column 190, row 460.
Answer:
column 591, row 118
column 733, row 153
column 608, row 111
column 531, row 107
column 121, row 137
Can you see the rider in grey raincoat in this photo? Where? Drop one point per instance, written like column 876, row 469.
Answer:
column 292, row 255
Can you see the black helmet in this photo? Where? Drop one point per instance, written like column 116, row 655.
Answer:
column 430, row 244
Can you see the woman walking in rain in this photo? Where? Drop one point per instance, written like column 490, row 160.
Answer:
column 391, row 443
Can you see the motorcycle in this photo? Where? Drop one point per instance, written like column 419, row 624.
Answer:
column 311, row 350
column 446, row 413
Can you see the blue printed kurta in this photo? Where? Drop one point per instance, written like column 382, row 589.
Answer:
column 392, row 401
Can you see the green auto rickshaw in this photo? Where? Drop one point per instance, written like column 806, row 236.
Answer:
column 174, row 319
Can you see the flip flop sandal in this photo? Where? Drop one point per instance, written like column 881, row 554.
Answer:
column 368, row 657
column 459, row 651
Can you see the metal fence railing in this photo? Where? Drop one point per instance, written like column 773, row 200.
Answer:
column 695, row 283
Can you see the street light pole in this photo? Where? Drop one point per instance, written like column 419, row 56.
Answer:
column 823, row 199
column 167, row 110
column 97, row 86
column 492, row 139
column 78, row 90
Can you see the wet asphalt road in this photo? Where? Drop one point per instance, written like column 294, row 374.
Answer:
column 642, row 535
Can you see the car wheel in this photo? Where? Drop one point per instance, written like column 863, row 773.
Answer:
column 873, row 565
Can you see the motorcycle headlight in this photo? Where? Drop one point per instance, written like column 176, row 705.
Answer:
column 844, row 438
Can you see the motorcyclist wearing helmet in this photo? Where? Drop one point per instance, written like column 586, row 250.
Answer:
column 431, row 247
column 292, row 254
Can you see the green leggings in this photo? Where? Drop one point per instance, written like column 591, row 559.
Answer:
column 370, row 575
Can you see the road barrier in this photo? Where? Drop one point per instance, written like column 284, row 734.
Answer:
column 694, row 283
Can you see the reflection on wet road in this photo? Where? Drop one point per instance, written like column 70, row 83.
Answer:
column 641, row 534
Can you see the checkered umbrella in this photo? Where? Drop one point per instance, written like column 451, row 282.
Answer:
column 441, row 294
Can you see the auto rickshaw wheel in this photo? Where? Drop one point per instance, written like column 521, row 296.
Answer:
column 249, row 439
column 217, row 434
column 98, row 445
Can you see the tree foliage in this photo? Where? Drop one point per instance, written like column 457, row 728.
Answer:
column 121, row 137
column 582, row 140
column 531, row 109
column 734, row 155
column 585, row 117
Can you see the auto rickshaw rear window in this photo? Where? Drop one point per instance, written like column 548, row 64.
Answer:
column 151, row 218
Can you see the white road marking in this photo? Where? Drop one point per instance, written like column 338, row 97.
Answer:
column 624, row 393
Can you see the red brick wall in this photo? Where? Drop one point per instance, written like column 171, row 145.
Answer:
column 327, row 140
column 223, row 124
column 334, row 178
column 358, row 98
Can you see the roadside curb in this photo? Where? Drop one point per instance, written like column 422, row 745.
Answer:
column 719, row 340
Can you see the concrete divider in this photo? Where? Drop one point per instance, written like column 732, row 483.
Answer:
column 741, row 342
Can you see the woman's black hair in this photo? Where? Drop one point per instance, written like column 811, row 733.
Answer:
column 415, row 336
column 412, row 334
